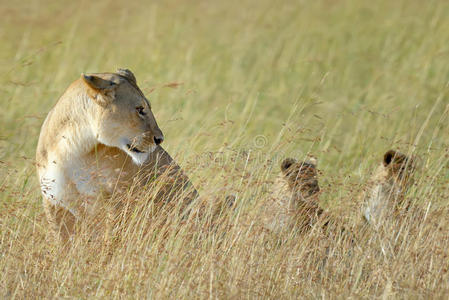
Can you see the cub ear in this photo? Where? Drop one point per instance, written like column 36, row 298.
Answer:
column 127, row 74
column 388, row 157
column 313, row 161
column 102, row 91
column 287, row 163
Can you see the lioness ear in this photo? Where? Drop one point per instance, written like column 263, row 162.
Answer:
column 102, row 91
column 287, row 163
column 127, row 74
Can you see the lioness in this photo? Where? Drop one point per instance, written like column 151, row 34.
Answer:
column 388, row 185
column 99, row 139
column 295, row 200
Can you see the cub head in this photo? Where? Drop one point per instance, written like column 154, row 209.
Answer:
column 122, row 116
column 302, row 176
column 400, row 167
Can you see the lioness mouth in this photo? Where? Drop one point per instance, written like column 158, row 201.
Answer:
column 134, row 149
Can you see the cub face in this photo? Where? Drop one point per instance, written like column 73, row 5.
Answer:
column 123, row 117
column 399, row 167
column 302, row 177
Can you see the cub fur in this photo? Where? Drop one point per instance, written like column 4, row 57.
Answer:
column 100, row 138
column 295, row 199
column 388, row 186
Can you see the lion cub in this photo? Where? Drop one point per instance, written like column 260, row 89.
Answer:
column 388, row 185
column 295, row 197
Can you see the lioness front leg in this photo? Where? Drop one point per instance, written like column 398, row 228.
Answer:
column 62, row 221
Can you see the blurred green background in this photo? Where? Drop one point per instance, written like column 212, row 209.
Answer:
column 344, row 80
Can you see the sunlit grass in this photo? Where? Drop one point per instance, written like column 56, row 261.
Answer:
column 236, row 86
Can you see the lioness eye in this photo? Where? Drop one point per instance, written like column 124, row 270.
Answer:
column 141, row 111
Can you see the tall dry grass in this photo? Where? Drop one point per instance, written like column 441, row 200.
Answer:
column 236, row 87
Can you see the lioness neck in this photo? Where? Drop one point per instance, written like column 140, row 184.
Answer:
column 70, row 123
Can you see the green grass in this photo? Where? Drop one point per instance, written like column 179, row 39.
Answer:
column 340, row 80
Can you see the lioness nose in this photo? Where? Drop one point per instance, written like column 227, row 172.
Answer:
column 158, row 139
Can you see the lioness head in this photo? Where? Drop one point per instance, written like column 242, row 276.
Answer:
column 301, row 176
column 400, row 167
column 122, row 115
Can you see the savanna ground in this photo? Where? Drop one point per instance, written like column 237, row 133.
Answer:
column 237, row 86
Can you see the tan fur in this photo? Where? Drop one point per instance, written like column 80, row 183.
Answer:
column 99, row 139
column 387, row 187
column 295, row 197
